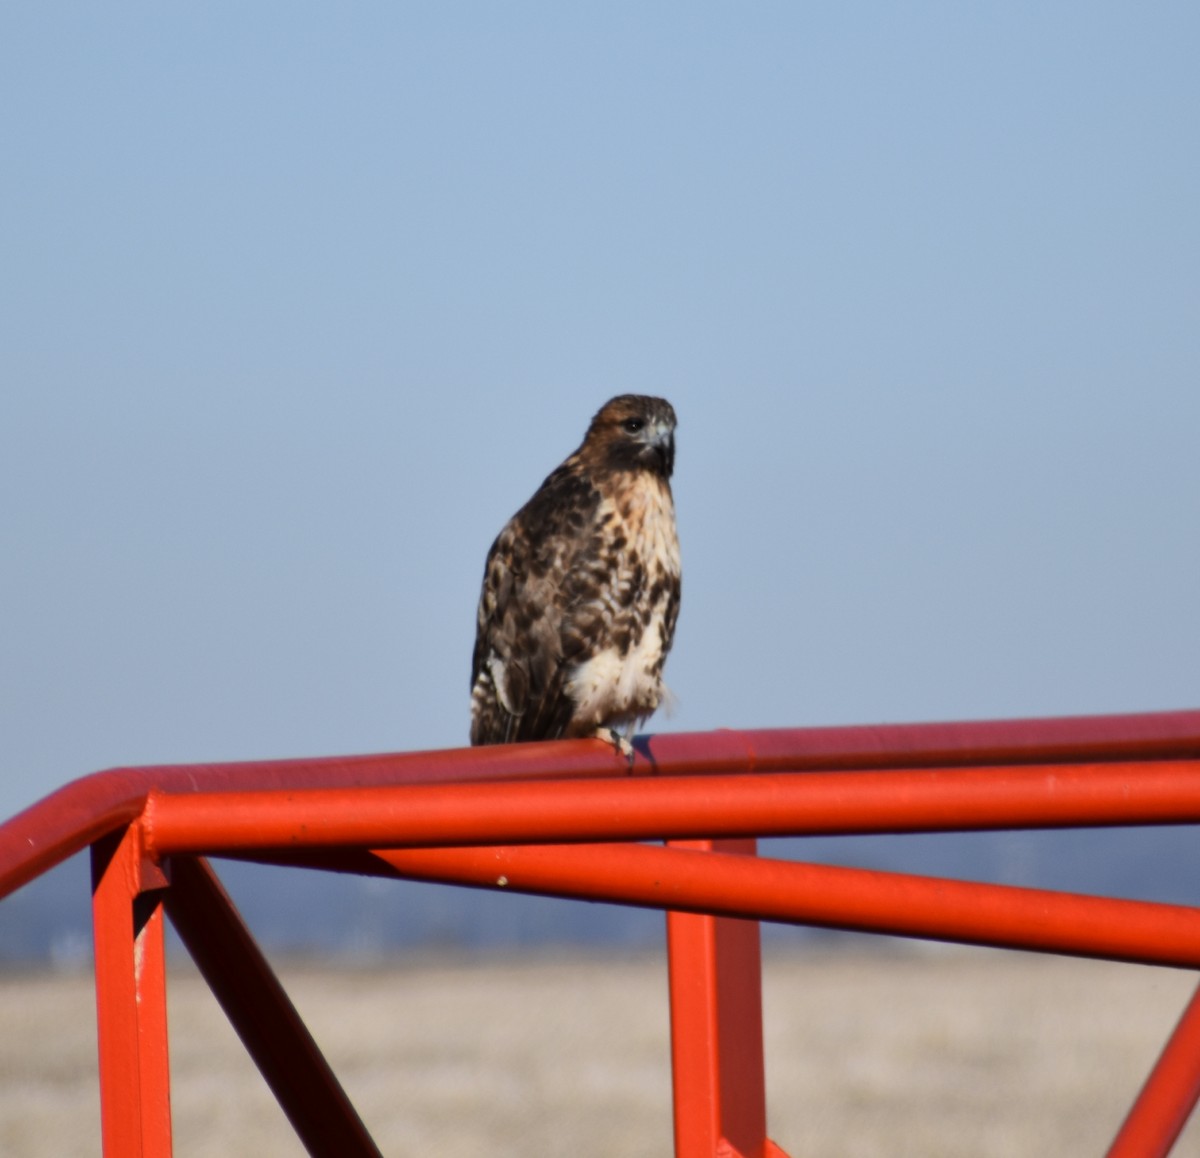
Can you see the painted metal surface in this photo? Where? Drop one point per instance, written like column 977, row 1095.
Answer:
column 262, row 1014
column 715, row 969
column 821, row 896
column 683, row 807
column 71, row 818
column 1166, row 1101
column 558, row 819
column 131, row 1000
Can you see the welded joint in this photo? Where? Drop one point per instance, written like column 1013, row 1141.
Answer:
column 152, row 874
column 145, row 827
column 122, row 852
column 146, row 871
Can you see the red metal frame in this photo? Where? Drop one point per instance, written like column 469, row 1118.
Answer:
column 135, row 1103
column 559, row 819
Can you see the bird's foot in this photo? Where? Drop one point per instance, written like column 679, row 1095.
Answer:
column 618, row 741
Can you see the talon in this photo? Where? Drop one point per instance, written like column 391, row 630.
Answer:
column 621, row 743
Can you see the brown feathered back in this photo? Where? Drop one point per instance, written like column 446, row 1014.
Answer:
column 581, row 588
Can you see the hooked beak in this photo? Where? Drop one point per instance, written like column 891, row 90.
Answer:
column 660, row 444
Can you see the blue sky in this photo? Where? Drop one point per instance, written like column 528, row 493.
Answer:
column 299, row 303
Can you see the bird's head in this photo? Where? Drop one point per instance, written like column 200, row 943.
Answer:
column 634, row 432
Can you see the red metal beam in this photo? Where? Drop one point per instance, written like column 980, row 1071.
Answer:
column 715, row 972
column 131, row 1004
column 71, row 818
column 1064, row 739
column 773, row 804
column 1169, row 1096
column 263, row 1016
column 824, row 896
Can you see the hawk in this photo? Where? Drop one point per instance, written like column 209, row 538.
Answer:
column 581, row 589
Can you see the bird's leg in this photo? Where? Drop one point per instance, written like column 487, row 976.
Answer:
column 622, row 743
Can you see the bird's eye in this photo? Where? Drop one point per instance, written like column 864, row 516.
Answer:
column 633, row 425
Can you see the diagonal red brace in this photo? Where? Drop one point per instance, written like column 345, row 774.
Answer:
column 825, row 896
column 263, row 1016
column 1170, row 1094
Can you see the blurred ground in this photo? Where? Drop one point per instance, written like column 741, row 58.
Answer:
column 909, row 1053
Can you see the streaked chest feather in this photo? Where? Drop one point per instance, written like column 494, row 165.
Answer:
column 628, row 622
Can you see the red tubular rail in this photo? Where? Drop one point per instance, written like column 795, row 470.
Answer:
column 768, row 804
column 528, row 818
column 70, row 819
column 1169, row 1095
column 816, row 895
